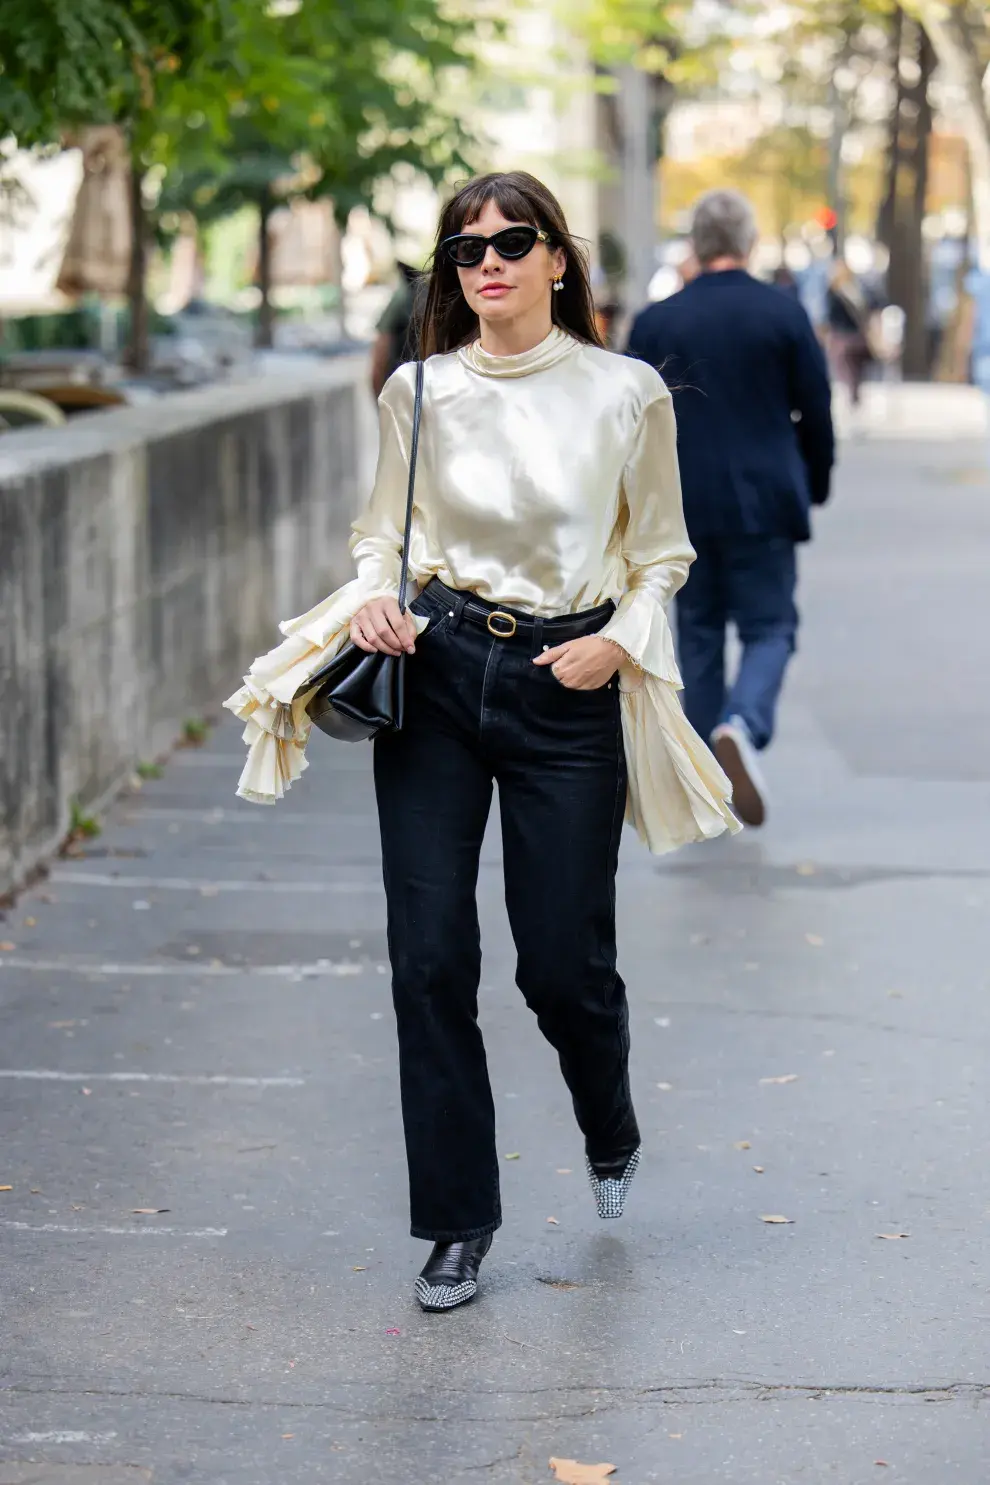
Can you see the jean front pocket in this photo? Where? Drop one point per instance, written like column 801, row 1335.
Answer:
column 439, row 619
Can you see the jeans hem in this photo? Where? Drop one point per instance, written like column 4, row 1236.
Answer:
column 465, row 1235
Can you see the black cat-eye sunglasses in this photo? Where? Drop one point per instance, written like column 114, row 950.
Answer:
column 468, row 249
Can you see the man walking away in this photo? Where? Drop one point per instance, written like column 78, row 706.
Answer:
column 754, row 437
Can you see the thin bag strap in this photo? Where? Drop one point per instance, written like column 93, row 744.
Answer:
column 413, row 452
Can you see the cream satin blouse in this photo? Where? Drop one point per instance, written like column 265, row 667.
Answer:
column 548, row 482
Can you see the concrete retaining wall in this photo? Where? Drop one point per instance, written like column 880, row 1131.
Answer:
column 146, row 555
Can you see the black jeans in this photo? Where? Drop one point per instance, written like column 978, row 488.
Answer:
column 478, row 711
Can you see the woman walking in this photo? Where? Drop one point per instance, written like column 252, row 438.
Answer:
column 547, row 537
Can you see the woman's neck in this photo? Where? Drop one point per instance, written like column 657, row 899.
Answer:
column 515, row 337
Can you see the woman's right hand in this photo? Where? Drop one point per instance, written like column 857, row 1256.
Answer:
column 380, row 625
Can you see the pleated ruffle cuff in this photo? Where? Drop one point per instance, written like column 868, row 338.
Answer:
column 640, row 625
column 678, row 792
column 276, row 725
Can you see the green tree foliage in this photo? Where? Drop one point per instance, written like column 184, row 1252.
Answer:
column 63, row 63
column 236, row 100
column 356, row 96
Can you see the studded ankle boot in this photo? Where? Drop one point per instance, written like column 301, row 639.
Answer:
column 450, row 1276
column 610, row 1181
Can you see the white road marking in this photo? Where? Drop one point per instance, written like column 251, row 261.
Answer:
column 195, row 1232
column 190, row 970
column 63, row 1436
column 132, row 812
column 199, row 1080
column 188, row 884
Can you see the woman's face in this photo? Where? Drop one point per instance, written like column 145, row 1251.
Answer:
column 502, row 289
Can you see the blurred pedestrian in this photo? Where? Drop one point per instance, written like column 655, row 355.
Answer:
column 847, row 328
column 546, row 536
column 977, row 286
column 398, row 329
column 755, row 444
column 784, row 280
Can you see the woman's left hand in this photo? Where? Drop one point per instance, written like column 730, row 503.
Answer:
column 583, row 664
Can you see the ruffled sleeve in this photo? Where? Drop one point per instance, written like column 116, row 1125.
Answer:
column 272, row 701
column 678, row 793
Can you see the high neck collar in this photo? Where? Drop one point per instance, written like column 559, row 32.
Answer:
column 554, row 348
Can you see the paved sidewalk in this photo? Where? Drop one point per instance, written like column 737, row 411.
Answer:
column 195, row 1017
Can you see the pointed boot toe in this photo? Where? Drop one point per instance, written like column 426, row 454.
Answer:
column 610, row 1190
column 450, row 1275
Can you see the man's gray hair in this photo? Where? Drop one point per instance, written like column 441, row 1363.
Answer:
column 722, row 226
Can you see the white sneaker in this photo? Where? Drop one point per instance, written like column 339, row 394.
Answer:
column 733, row 747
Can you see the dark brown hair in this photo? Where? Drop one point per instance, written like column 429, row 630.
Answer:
column 448, row 321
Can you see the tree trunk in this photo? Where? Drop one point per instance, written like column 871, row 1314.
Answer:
column 835, row 189
column 266, row 319
column 136, row 355
column 957, row 55
column 903, row 210
column 885, row 215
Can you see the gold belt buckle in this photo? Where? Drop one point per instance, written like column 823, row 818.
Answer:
column 501, row 633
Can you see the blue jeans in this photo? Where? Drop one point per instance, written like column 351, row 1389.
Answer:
column 749, row 580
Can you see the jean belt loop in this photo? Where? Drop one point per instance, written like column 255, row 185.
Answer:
column 537, row 635
column 459, row 604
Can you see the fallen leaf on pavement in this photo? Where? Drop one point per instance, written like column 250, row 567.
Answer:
column 815, row 940
column 572, row 1473
column 675, row 1436
column 147, row 1211
column 87, row 1091
column 288, row 1436
column 893, row 1237
column 759, row 1169
column 554, row 1221
column 393, row 1330
column 513, row 1156
column 665, row 1087
column 358, row 1268
column 6, row 1188
column 742, row 1145
column 778, row 1221
column 805, row 869
column 564, row 1170
column 787, row 1078
column 30, row 922
column 7, row 946
column 883, row 1463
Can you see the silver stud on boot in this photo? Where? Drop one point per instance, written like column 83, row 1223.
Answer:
column 610, row 1191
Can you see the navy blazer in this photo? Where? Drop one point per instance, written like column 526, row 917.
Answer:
column 753, row 404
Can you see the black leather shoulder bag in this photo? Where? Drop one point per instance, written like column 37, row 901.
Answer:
column 359, row 694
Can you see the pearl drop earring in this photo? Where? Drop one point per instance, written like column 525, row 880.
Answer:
column 558, row 284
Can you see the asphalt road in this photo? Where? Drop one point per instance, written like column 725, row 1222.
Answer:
column 195, row 1017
